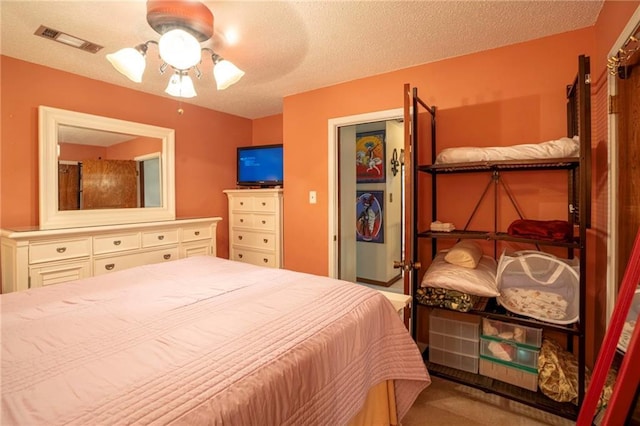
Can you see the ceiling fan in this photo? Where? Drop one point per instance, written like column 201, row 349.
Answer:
column 182, row 25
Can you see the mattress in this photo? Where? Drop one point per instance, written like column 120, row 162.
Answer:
column 202, row 340
column 560, row 148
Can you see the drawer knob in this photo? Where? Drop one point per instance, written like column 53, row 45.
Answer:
column 197, row 232
column 167, row 256
column 240, row 255
column 61, row 249
column 265, row 260
column 239, row 237
column 117, row 242
column 109, row 266
column 264, row 204
column 242, row 203
column 264, row 221
column 161, row 237
column 265, row 240
column 241, row 220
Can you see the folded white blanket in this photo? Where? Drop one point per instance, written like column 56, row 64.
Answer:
column 560, row 148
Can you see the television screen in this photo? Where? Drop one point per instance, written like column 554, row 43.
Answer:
column 260, row 165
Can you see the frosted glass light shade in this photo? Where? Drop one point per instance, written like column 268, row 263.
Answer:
column 179, row 49
column 226, row 74
column 128, row 61
column 181, row 86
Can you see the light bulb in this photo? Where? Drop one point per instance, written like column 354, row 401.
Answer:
column 179, row 49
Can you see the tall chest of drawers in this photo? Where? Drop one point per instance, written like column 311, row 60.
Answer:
column 255, row 226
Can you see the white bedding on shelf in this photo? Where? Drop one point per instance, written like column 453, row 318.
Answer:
column 201, row 340
column 560, row 148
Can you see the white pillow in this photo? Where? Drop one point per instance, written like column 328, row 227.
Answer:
column 466, row 253
column 480, row 281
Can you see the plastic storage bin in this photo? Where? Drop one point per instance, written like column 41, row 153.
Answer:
column 454, row 340
column 450, row 323
column 512, row 375
column 454, row 360
column 516, row 333
column 509, row 353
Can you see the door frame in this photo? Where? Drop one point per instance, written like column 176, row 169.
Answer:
column 334, row 125
column 612, row 208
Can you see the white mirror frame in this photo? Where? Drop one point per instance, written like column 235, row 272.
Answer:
column 51, row 217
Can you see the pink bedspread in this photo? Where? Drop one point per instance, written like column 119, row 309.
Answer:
column 201, row 341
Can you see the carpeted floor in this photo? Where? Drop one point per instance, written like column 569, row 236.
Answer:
column 446, row 403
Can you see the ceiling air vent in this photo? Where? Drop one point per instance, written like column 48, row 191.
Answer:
column 67, row 39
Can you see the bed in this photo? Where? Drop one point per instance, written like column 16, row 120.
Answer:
column 205, row 340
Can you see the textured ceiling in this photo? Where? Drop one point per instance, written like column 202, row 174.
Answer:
column 287, row 47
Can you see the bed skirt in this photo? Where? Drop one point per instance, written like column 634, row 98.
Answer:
column 379, row 408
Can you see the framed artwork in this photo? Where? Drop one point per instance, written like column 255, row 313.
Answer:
column 369, row 215
column 370, row 150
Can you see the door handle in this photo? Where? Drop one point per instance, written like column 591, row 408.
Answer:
column 406, row 266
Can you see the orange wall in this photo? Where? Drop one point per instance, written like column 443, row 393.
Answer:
column 134, row 148
column 78, row 152
column 267, row 130
column 206, row 140
column 514, row 94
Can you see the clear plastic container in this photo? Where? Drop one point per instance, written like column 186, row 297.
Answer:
column 516, row 333
column 454, row 360
column 509, row 353
column 455, row 324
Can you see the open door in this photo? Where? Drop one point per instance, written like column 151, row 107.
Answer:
column 407, row 262
column 109, row 184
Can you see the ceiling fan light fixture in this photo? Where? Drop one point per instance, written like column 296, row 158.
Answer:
column 183, row 25
column 179, row 49
column 130, row 62
column 181, row 86
column 226, row 73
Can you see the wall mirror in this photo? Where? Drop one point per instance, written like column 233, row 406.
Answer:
column 103, row 171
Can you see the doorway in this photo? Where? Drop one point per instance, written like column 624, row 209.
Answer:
column 355, row 254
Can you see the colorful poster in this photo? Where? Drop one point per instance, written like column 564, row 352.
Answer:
column 370, row 150
column 369, row 216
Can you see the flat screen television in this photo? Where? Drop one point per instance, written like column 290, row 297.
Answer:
column 260, row 165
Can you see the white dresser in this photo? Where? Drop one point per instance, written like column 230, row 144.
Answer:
column 255, row 226
column 35, row 258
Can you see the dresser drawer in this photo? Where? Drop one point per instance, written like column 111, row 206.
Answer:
column 195, row 249
column 56, row 273
column 242, row 220
column 264, row 204
column 196, row 233
column 264, row 222
column 259, row 240
column 118, row 263
column 59, row 250
column 253, row 257
column 258, row 204
column 242, row 203
column 159, row 238
column 115, row 243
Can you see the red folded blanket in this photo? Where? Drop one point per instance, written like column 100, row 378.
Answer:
column 548, row 230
